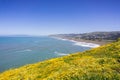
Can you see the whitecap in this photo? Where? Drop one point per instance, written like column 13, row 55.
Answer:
column 86, row 44
column 26, row 50
column 59, row 53
column 61, row 39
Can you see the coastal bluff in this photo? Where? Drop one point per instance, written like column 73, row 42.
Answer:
column 101, row 63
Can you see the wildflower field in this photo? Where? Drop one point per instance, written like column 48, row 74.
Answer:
column 102, row 63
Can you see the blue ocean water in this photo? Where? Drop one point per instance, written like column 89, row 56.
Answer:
column 18, row 51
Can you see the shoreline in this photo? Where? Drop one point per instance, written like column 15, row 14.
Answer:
column 90, row 41
column 80, row 42
column 85, row 43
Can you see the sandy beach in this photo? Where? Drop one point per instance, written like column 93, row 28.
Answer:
column 90, row 41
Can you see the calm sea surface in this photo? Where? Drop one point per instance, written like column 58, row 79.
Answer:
column 18, row 51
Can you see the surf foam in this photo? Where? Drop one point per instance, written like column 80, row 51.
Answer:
column 59, row 53
column 26, row 50
column 84, row 44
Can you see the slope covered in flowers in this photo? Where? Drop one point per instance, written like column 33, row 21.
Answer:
column 102, row 63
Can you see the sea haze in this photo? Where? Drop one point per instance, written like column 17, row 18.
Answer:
column 18, row 51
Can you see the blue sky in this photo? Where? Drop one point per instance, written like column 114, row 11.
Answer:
column 43, row 17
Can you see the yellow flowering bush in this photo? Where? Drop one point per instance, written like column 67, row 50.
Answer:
column 102, row 63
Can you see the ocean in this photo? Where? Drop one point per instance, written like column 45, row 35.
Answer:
column 19, row 51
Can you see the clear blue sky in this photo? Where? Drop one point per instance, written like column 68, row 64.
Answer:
column 42, row 17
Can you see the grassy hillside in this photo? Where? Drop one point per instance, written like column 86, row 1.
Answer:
column 102, row 63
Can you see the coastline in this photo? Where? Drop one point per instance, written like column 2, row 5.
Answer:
column 89, row 41
column 83, row 43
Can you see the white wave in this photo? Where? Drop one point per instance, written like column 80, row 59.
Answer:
column 64, row 39
column 86, row 44
column 59, row 53
column 26, row 50
column 61, row 39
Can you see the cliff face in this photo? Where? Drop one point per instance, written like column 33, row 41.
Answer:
column 102, row 63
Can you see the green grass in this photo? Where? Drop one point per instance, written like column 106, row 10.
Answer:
column 102, row 63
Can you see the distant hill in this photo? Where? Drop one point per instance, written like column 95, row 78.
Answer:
column 113, row 35
column 102, row 63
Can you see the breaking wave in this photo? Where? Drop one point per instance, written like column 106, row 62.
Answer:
column 59, row 53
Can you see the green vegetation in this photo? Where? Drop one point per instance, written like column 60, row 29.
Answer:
column 102, row 63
